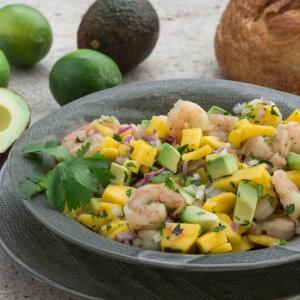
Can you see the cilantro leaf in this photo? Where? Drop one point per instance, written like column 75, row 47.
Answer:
column 170, row 184
column 161, row 178
column 50, row 148
column 83, row 150
column 117, row 137
column 218, row 228
column 289, row 209
column 182, row 149
column 260, row 190
column 30, row 187
column 273, row 111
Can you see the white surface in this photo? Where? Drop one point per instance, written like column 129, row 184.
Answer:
column 184, row 50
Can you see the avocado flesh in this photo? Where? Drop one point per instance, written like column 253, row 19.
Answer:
column 121, row 173
column 196, row 215
column 169, row 157
column 125, row 30
column 221, row 165
column 217, row 111
column 293, row 161
column 245, row 204
column 14, row 118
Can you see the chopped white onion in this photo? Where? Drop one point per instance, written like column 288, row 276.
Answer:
column 120, row 159
column 237, row 109
column 211, row 191
column 157, row 237
column 252, row 162
column 200, row 192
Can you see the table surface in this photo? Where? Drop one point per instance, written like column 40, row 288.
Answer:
column 184, row 50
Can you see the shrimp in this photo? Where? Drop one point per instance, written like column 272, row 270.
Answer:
column 186, row 114
column 74, row 140
column 148, row 240
column 279, row 227
column 294, row 134
column 278, row 161
column 146, row 208
column 282, row 142
column 258, row 147
column 287, row 191
column 265, row 207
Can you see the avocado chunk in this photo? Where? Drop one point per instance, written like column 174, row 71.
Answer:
column 195, row 215
column 221, row 165
column 293, row 161
column 245, row 204
column 125, row 30
column 168, row 157
column 4, row 71
column 122, row 174
column 14, row 119
column 189, row 198
column 217, row 110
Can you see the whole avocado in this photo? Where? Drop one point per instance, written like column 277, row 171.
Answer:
column 125, row 30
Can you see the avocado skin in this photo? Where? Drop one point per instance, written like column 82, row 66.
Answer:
column 125, row 30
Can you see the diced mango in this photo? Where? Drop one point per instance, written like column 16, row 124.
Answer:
column 197, row 154
column 124, row 149
column 256, row 175
column 211, row 141
column 242, row 165
column 91, row 221
column 211, row 240
column 224, row 248
column 203, row 175
column 144, row 170
column 106, row 210
column 293, row 117
column 191, row 137
column 244, row 245
column 144, row 153
column 233, row 236
column 158, row 125
column 222, row 203
column 113, row 228
column 110, row 153
column 117, row 194
column 179, row 237
column 266, row 115
column 132, row 165
column 109, row 142
column 294, row 176
column 245, row 130
column 263, row 240
column 104, row 130
column 71, row 213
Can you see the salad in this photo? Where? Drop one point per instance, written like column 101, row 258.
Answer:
column 189, row 182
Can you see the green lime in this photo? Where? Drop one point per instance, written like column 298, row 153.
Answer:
column 82, row 72
column 4, row 70
column 25, row 34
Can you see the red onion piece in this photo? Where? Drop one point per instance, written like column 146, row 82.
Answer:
column 235, row 226
column 124, row 129
column 128, row 139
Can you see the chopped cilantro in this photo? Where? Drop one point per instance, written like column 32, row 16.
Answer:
column 182, row 149
column 130, row 164
column 260, row 190
column 128, row 193
column 177, row 230
column 108, row 227
column 282, row 242
column 103, row 214
column 273, row 111
column 236, row 217
column 195, row 182
column 245, row 223
column 289, row 209
column 218, row 228
column 126, row 177
column 233, row 184
column 161, row 178
column 83, row 150
column 162, row 226
column 117, row 137
column 170, row 184
column 270, row 199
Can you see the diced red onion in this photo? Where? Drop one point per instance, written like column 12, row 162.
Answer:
column 124, row 129
column 169, row 139
column 128, row 139
column 148, row 176
column 235, row 226
column 149, row 139
column 126, row 237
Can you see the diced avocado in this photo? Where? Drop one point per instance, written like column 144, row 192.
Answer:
column 217, row 110
column 245, row 204
column 122, row 174
column 189, row 198
column 221, row 165
column 195, row 215
column 293, row 161
column 168, row 157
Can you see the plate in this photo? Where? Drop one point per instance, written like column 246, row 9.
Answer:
column 134, row 102
column 87, row 275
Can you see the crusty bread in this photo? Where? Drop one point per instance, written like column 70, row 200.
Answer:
column 258, row 41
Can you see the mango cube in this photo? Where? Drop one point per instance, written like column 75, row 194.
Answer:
column 106, row 210
column 113, row 228
column 103, row 130
column 197, row 154
column 118, row 194
column 245, row 130
column 191, row 137
column 110, row 153
column 294, row 176
column 109, row 142
column 224, row 248
column 144, row 153
column 271, row 115
column 211, row 141
column 244, row 245
column 293, row 117
column 144, row 170
column 132, row 165
column 91, row 221
column 211, row 240
column 256, row 175
column 124, row 149
column 234, row 237
column 203, row 176
column 179, row 237
column 158, row 125
column 263, row 240
column 222, row 203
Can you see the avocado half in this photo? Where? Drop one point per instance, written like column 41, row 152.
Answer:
column 14, row 119
column 124, row 30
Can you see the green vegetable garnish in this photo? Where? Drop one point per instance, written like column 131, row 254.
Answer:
column 218, row 228
column 289, row 209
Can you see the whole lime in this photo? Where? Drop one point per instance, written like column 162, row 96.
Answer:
column 82, row 72
column 25, row 34
column 4, row 70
